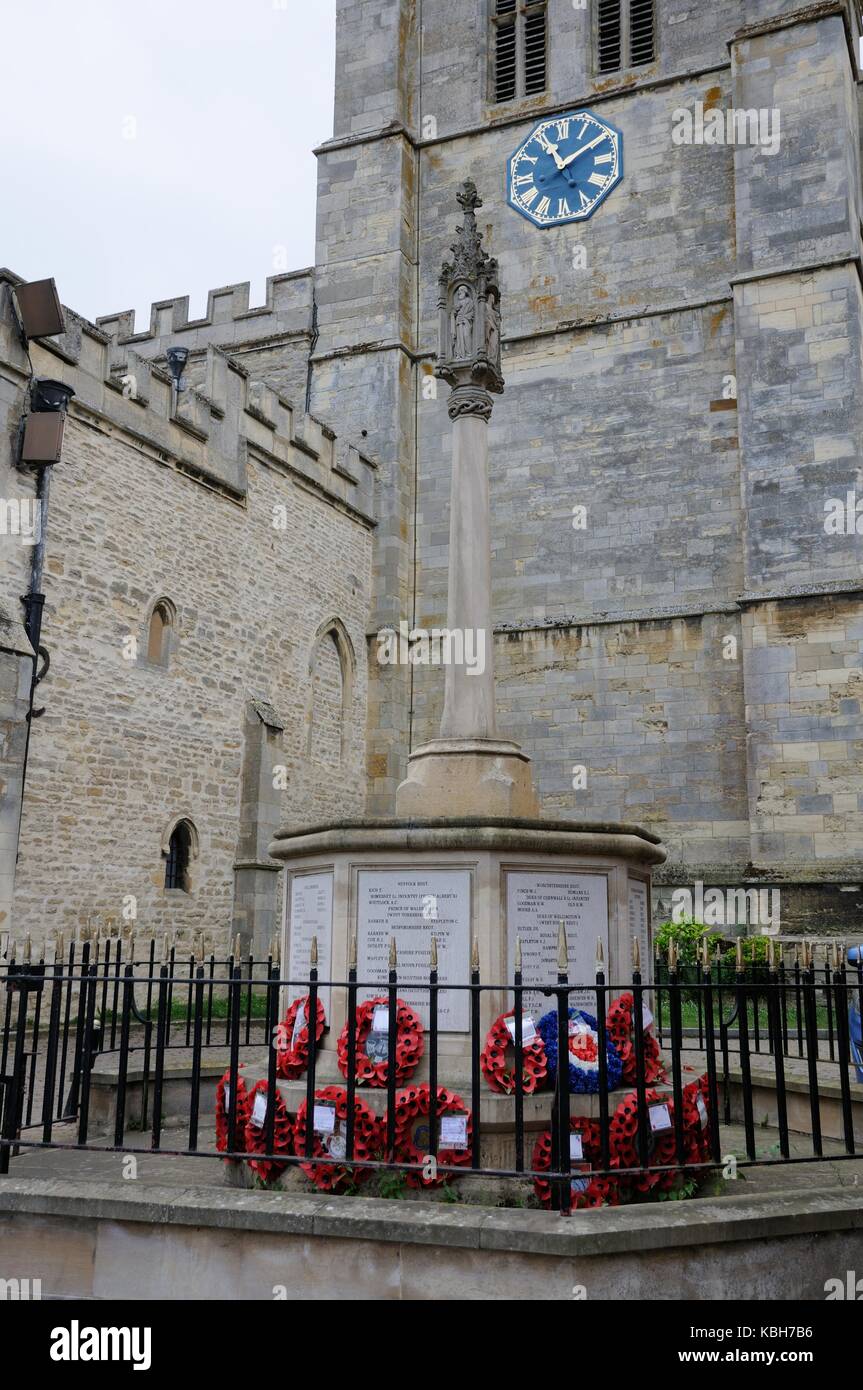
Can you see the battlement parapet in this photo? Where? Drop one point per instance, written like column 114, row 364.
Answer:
column 287, row 311
column 209, row 430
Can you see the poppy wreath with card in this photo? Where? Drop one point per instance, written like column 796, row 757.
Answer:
column 619, row 1023
column 412, row 1103
column 335, row 1177
column 293, row 1052
column 493, row 1059
column 662, row 1148
column 696, row 1120
column 372, row 1071
column 256, row 1135
column 597, row 1192
column 223, row 1112
column 583, row 1052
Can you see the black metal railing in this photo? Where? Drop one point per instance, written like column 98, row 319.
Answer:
column 737, row 1027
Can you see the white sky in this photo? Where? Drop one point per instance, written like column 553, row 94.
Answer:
column 228, row 98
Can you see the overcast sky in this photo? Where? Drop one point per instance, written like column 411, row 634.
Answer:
column 161, row 148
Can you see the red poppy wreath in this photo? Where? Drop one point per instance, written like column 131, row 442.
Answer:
column 587, row 1191
column 619, row 1024
column 330, row 1139
column 256, row 1132
column 371, row 1070
column 454, row 1132
column 292, row 1043
column 223, row 1101
column 499, row 1076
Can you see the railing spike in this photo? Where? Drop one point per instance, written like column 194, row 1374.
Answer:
column 394, row 955
column 474, row 955
column 434, row 957
column 353, row 953
column 518, row 954
column 738, row 956
column 59, row 947
column 705, row 955
column 313, row 954
column 636, row 953
column 28, row 949
column 562, row 949
column 600, row 955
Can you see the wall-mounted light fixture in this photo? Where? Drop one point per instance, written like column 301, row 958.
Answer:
column 39, row 311
column 43, row 430
column 177, row 357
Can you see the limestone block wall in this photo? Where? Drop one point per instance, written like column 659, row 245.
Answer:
column 804, row 693
column 256, row 526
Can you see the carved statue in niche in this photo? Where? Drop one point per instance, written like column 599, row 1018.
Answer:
column 492, row 330
column 463, row 314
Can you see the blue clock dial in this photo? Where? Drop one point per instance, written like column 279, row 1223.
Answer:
column 565, row 168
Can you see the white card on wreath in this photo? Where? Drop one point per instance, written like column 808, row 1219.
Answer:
column 576, row 1147
column 660, row 1118
column 325, row 1119
column 381, row 1019
column 702, row 1110
column 299, row 1025
column 453, row 1132
column 259, row 1111
column 528, row 1029
column 646, row 1018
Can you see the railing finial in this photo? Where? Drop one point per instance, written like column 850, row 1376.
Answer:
column 474, row 955
column 313, row 954
column 600, row 955
column 518, row 954
column 433, row 960
column 394, row 955
column 636, row 954
column 562, row 949
column 28, row 949
column 353, row 952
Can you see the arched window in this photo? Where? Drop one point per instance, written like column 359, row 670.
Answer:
column 160, row 632
column 179, row 849
column 331, row 672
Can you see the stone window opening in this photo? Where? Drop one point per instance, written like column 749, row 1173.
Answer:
column 625, row 34
column 519, row 48
column 331, row 677
column 179, row 849
column 160, row 633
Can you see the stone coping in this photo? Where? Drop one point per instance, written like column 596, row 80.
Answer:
column 608, row 1231
column 512, row 835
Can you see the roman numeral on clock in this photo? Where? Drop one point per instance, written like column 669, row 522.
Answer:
column 528, row 196
column 603, row 158
column 543, row 207
column 599, row 179
column 563, row 129
column 523, row 178
column 563, row 208
column 585, row 202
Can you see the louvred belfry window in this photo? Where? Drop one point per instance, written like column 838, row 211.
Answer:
column 520, row 46
column 626, row 34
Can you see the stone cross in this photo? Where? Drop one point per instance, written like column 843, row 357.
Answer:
column 468, row 769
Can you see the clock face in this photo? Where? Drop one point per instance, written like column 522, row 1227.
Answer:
column 565, row 168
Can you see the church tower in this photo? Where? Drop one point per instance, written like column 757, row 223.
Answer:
column 678, row 636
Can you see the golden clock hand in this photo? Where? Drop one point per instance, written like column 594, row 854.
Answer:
column 552, row 150
column 584, row 149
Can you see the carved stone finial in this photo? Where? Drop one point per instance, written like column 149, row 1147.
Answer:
column 470, row 326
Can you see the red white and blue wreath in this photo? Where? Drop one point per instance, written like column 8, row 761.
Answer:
column 583, row 1052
